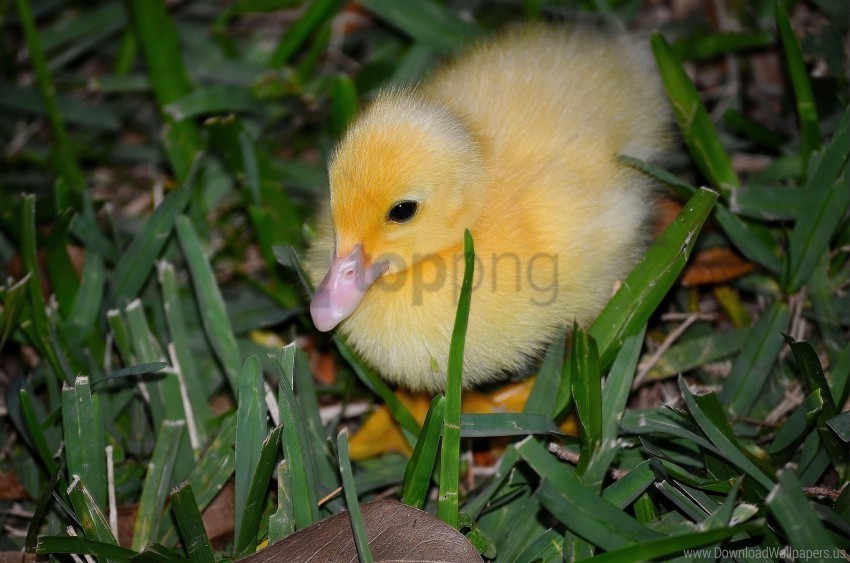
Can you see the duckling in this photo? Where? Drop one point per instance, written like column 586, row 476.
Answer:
column 517, row 141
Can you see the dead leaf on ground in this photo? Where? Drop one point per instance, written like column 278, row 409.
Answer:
column 396, row 532
column 715, row 265
column 11, row 488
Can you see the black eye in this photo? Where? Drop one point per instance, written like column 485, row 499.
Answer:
column 402, row 212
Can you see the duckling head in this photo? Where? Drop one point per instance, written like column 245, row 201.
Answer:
column 406, row 180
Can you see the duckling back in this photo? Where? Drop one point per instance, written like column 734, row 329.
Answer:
column 538, row 90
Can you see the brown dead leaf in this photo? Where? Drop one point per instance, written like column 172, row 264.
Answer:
column 715, row 265
column 11, row 488
column 396, row 532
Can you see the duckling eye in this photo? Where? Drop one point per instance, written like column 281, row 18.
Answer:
column 402, row 212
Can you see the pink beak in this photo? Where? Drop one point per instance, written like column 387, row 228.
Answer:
column 343, row 288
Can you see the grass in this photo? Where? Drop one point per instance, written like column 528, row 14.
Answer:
column 160, row 163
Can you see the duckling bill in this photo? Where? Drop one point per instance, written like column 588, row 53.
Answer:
column 516, row 140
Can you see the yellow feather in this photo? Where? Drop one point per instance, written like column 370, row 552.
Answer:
column 516, row 140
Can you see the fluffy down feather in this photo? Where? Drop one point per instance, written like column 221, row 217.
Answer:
column 516, row 140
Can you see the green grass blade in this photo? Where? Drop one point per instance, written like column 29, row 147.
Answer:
column 166, row 399
column 546, row 464
column 287, row 363
column 246, row 541
column 326, row 470
column 145, row 346
column 769, row 202
column 714, row 45
column 37, row 436
column 683, row 189
column 67, row 33
column 182, row 351
column 754, row 365
column 754, row 130
column 190, row 524
column 627, row 489
column 796, row 427
column 282, row 522
column 82, row 546
column 688, row 506
column 157, row 483
column 721, row 517
column 591, row 517
column 63, row 277
column 413, row 64
column 450, row 453
column 801, row 524
column 358, row 526
column 696, row 126
column 94, row 38
column 84, row 227
column 158, row 553
column 479, row 501
column 210, row 301
column 160, row 44
column 417, row 474
column 66, row 158
column 121, row 335
column 14, row 300
column 544, row 395
column 251, row 428
column 840, row 424
column 27, row 100
column 546, row 548
column 215, row 468
column 315, row 52
column 42, row 506
column 91, row 517
column 137, row 260
column 841, row 376
column 753, row 239
column 213, row 100
column 587, row 394
column 38, row 307
column 426, row 21
column 315, row 14
column 828, row 196
column 806, row 109
column 708, row 414
column 86, row 308
column 666, row 422
column 343, row 104
column 296, row 450
column 649, row 282
column 505, row 424
column 248, row 150
column 286, row 256
column 618, row 385
column 672, row 545
column 810, row 366
column 694, row 352
column 645, row 510
column 82, row 427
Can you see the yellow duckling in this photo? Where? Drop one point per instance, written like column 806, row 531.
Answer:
column 517, row 141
